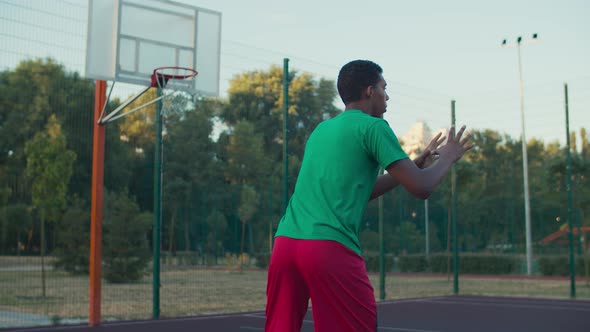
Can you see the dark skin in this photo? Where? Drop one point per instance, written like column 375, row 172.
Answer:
column 421, row 176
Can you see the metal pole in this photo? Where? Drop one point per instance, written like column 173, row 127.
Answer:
column 454, row 216
column 96, row 209
column 269, row 208
column 570, row 214
column 525, row 170
column 580, row 234
column 426, row 228
column 157, row 210
column 285, row 133
column 512, row 245
column 381, row 250
column 403, row 246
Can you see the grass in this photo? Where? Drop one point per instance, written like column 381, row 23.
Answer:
column 196, row 291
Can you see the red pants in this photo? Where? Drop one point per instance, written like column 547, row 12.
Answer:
column 333, row 276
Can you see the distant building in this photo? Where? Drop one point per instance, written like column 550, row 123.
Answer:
column 417, row 138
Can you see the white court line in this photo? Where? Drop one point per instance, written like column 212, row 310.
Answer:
column 511, row 300
column 255, row 315
column 421, row 299
column 403, row 329
column 505, row 305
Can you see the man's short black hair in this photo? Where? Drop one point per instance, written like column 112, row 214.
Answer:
column 355, row 76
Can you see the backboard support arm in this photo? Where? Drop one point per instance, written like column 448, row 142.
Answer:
column 114, row 114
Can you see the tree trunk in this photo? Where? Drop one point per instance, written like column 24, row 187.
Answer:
column 43, row 285
column 187, row 239
column 242, row 246
column 449, row 244
column 4, row 240
column 18, row 242
column 251, row 246
column 171, row 234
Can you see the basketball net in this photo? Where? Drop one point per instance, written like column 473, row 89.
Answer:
column 176, row 85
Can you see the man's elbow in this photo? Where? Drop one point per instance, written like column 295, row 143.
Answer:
column 422, row 192
column 423, row 195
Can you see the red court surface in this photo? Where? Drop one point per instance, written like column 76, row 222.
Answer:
column 436, row 314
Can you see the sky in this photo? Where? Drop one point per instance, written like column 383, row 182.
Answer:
column 432, row 52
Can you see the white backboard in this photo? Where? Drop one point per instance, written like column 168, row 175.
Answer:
column 128, row 39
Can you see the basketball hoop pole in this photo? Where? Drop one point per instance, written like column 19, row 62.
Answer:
column 96, row 205
column 160, row 78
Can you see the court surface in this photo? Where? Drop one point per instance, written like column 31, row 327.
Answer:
column 435, row 314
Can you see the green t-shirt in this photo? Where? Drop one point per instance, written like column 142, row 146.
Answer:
column 340, row 166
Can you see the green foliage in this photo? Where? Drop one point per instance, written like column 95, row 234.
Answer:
column 372, row 262
column 17, row 222
column 468, row 263
column 73, row 245
column 488, row 264
column 203, row 176
column 262, row 260
column 249, row 201
column 218, row 223
column 559, row 265
column 247, row 163
column 413, row 263
column 49, row 166
column 126, row 252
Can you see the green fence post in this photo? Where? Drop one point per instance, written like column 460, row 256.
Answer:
column 285, row 133
column 157, row 209
column 454, row 216
column 381, row 250
column 569, row 201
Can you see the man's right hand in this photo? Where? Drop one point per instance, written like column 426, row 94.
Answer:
column 455, row 146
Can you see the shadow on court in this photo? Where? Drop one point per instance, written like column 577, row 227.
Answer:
column 435, row 314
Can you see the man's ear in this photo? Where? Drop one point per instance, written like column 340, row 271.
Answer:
column 369, row 91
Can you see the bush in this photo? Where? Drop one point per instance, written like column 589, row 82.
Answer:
column 468, row 263
column 73, row 246
column 372, row 262
column 559, row 265
column 262, row 260
column 126, row 252
column 487, row 264
column 413, row 263
column 440, row 263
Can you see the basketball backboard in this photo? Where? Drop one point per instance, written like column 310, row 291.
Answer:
column 128, row 39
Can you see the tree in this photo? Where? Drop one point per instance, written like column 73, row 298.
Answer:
column 190, row 165
column 585, row 144
column 126, row 252
column 247, row 163
column 249, row 200
column 137, row 128
column 218, row 223
column 49, row 167
column 73, row 234
column 256, row 97
column 176, row 194
column 17, row 221
column 4, row 195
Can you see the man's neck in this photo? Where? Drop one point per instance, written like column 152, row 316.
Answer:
column 357, row 105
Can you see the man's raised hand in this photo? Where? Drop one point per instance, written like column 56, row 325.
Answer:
column 456, row 145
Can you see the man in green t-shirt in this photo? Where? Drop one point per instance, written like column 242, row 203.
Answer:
column 317, row 253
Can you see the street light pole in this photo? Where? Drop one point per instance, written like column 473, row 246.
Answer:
column 525, row 166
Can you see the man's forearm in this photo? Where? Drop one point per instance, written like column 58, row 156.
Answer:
column 385, row 182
